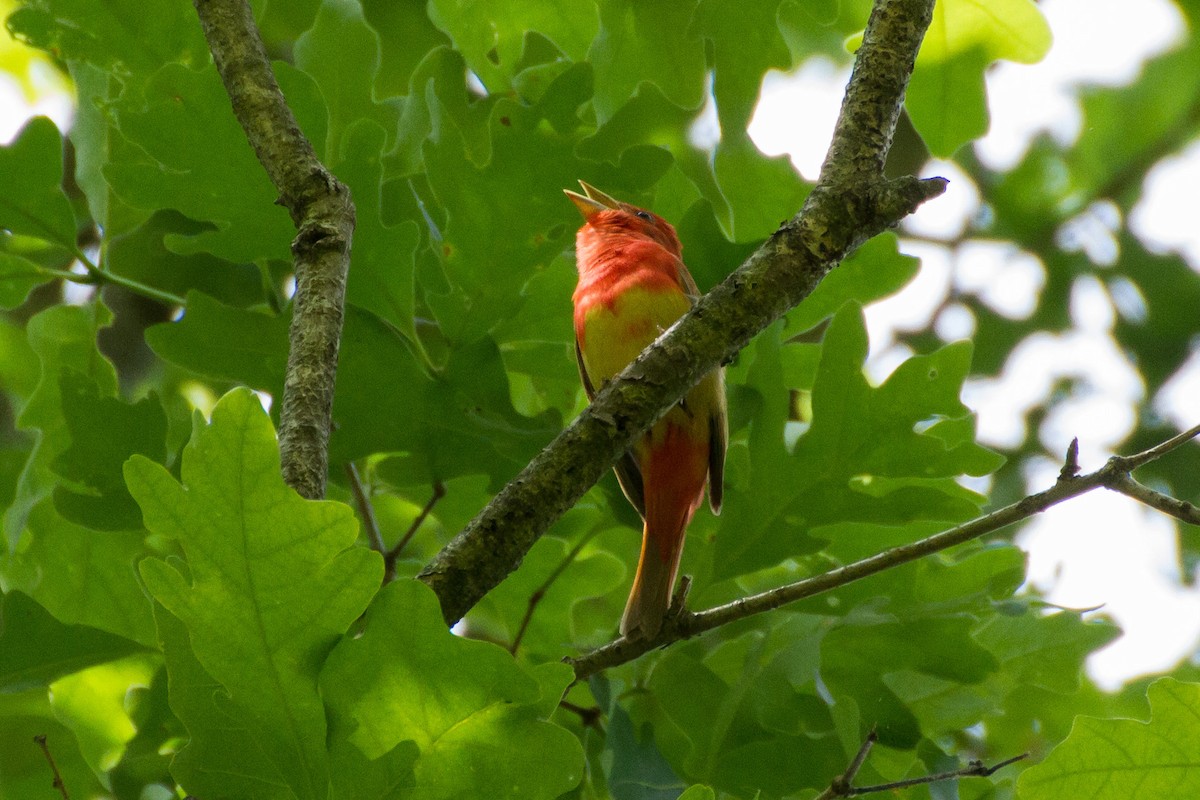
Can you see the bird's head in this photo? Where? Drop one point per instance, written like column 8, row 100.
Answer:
column 608, row 217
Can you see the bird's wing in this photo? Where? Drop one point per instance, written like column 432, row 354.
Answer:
column 628, row 474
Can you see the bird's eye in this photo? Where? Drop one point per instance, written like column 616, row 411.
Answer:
column 643, row 215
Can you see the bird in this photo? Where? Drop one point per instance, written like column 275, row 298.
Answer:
column 632, row 286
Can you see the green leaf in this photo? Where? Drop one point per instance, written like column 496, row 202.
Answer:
column 1110, row 147
column 636, row 769
column 1012, row 30
column 223, row 342
column 726, row 739
column 143, row 255
column 406, row 678
column 491, row 33
column 223, row 756
column 31, row 170
column 22, row 717
column 873, row 271
column 591, row 575
column 82, row 576
column 18, row 277
column 651, row 42
column 117, row 35
column 871, row 454
column 62, row 337
column 746, row 42
column 92, row 704
column 105, row 431
column 341, row 54
column 406, row 36
column 269, row 583
column 97, row 142
column 1106, row 759
column 946, row 96
column 946, row 101
column 36, row 649
column 1047, row 651
column 503, row 219
column 382, row 262
column 182, row 120
column 762, row 192
column 856, row 656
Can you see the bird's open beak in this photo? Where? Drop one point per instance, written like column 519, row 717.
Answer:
column 595, row 200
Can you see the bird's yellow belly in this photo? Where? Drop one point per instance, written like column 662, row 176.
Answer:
column 616, row 334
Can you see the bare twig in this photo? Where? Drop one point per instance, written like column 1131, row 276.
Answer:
column 852, row 201
column 841, row 786
column 58, row 781
column 365, row 510
column 323, row 213
column 1180, row 509
column 392, row 556
column 688, row 624
column 539, row 593
column 974, row 769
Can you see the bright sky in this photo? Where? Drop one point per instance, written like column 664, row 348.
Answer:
column 1101, row 549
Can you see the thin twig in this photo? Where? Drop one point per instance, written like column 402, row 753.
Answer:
column 688, row 624
column 974, row 769
column 841, row 786
column 58, row 781
column 391, row 556
column 365, row 510
column 1182, row 510
column 860, row 757
column 539, row 593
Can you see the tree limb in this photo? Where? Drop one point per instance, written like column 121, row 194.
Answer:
column 321, row 209
column 685, row 624
column 1180, row 509
column 851, row 202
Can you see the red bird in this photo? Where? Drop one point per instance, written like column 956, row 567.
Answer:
column 632, row 286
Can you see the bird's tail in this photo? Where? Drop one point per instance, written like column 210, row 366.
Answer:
column 650, row 598
column 674, row 473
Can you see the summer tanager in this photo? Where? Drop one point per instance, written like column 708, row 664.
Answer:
column 632, row 286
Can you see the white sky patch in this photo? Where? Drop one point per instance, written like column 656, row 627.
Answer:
column 1176, row 401
column 797, row 111
column 1165, row 217
column 1106, row 381
column 1099, row 42
column 1106, row 549
column 52, row 101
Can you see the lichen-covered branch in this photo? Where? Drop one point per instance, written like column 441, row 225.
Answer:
column 851, row 203
column 1113, row 475
column 323, row 213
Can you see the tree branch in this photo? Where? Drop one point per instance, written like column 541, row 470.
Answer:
column 685, row 625
column 1180, row 509
column 321, row 208
column 852, row 202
